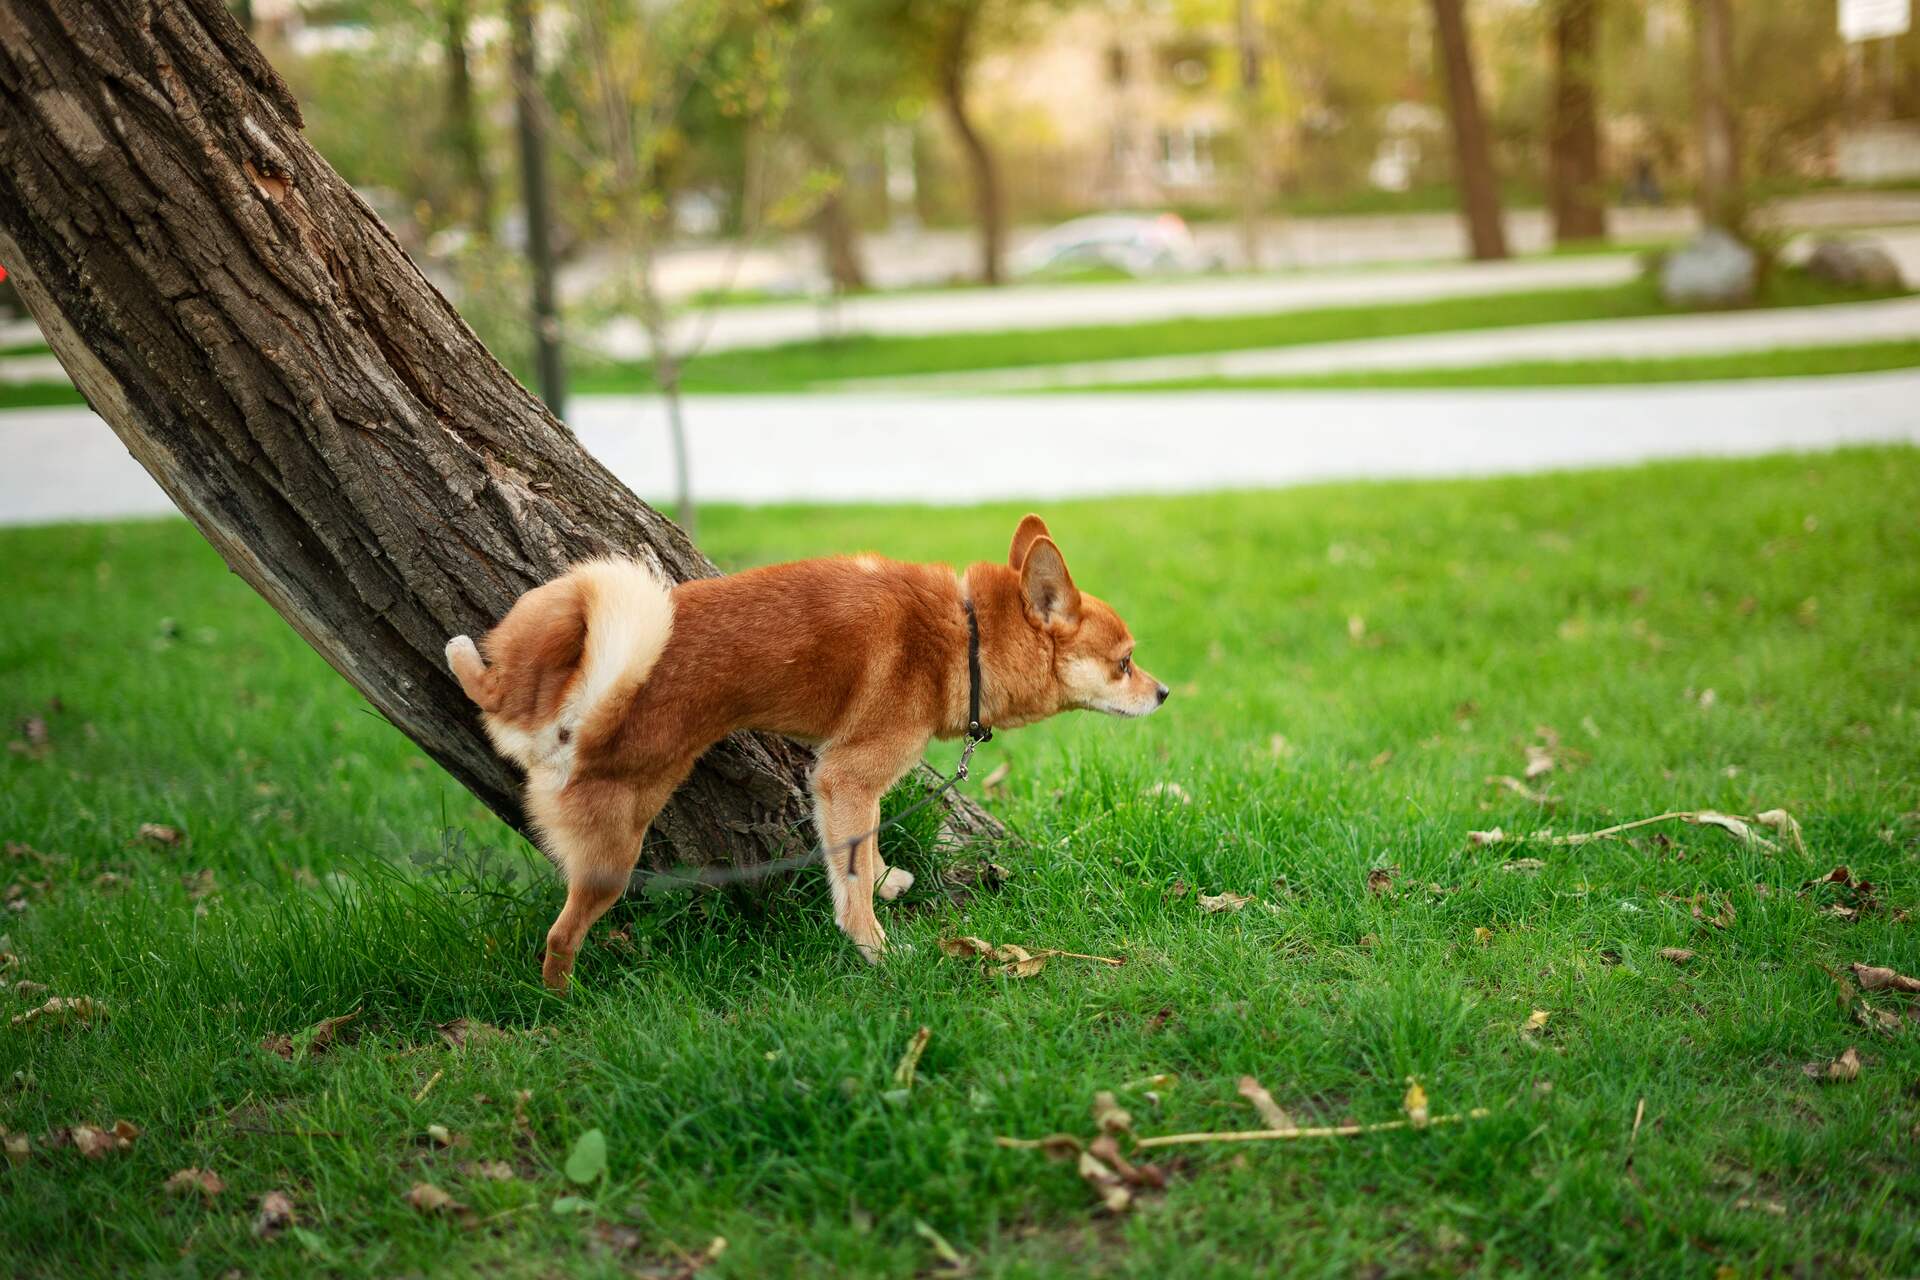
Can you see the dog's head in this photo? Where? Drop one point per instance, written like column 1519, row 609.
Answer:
column 1093, row 666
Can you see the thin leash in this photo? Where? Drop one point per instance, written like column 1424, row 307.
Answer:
column 654, row 882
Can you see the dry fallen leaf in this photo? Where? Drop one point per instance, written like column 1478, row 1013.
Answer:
column 1841, row 1069
column 1106, row 1181
column 1223, row 901
column 1482, row 934
column 1720, row 919
column 1010, row 959
column 63, row 1009
column 1536, row 1021
column 1679, row 955
column 202, row 1182
column 1733, row 826
column 1415, row 1104
column 909, row 1063
column 1108, row 1115
column 1872, row 978
column 317, row 1039
column 1494, row 836
column 464, row 1031
column 440, row 1136
column 1380, row 880
column 1271, row 1112
column 1539, row 760
column 158, row 833
column 95, row 1143
column 491, row 1170
column 428, row 1198
column 1783, row 822
column 18, row 1146
column 1106, row 1149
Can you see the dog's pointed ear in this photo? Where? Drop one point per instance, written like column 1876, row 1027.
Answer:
column 1031, row 529
column 1049, row 591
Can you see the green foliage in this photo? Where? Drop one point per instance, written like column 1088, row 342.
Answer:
column 736, row 1055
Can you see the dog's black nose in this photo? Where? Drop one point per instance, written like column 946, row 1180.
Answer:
column 1161, row 693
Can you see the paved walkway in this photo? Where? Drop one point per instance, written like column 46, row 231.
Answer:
column 1651, row 337
column 62, row 464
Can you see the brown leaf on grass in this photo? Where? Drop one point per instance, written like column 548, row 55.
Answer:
column 1477, row 838
column 315, row 1040
column 427, row 1198
column 1540, row 759
column 1106, row 1181
column 158, row 833
column 27, row 989
column 909, row 1063
column 1536, row 1021
column 1482, row 935
column 19, row 1147
column 275, row 1215
column 488, row 1170
column 441, row 1136
column 1213, row 902
column 462, row 1032
column 204, row 1183
column 199, row 884
column 1842, row 1069
column 966, row 945
column 1380, row 880
column 1109, row 1116
column 97, row 1143
column 1783, row 822
column 1678, row 955
column 1055, row 1146
column 1521, row 789
column 1107, row 1150
column 1872, row 978
column 65, row 1010
column 1272, row 1113
column 1010, row 959
column 1734, row 826
column 1722, row 918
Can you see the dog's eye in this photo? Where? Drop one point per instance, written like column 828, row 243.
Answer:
column 1126, row 664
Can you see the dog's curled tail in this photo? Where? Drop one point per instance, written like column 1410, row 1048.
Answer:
column 568, row 653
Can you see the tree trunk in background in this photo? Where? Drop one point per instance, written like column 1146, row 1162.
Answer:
column 1576, row 192
column 956, row 58
column 1719, row 196
column 1253, row 185
column 530, row 112
column 1472, row 159
column 463, row 118
column 262, row 346
column 840, row 244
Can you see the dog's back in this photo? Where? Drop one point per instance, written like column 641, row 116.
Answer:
column 567, row 651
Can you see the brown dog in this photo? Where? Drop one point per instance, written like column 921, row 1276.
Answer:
column 606, row 685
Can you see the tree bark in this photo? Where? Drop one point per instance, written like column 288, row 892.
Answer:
column 1253, row 178
column 1719, row 196
column 989, row 209
column 1473, row 160
column 1576, row 194
column 840, row 244
column 262, row 345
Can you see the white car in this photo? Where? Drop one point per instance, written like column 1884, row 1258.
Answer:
column 1138, row 244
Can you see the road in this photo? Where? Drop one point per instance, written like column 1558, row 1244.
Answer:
column 63, row 464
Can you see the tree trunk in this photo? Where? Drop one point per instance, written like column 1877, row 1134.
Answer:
column 530, row 113
column 989, row 209
column 463, row 118
column 1473, row 161
column 1720, row 197
column 1253, row 136
column 262, row 346
column 840, row 244
column 1575, row 192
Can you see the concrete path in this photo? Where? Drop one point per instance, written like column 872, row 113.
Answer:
column 62, row 464
column 1718, row 333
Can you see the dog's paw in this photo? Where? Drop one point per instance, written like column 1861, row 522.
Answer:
column 462, row 648
column 896, row 882
column 872, row 947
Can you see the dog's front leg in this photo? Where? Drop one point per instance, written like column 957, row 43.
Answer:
column 847, row 809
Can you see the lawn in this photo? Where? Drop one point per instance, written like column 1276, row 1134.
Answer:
column 1350, row 664
column 799, row 365
column 1791, row 362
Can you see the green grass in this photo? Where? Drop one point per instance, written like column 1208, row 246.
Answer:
column 1794, row 362
column 799, row 365
column 738, row 1056
column 34, row 395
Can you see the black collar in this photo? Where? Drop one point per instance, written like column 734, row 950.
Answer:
column 975, row 731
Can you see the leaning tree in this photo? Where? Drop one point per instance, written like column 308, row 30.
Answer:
column 261, row 344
